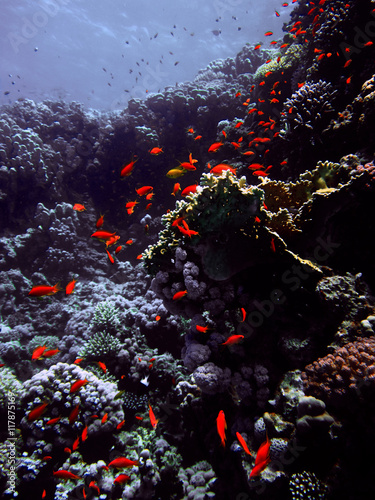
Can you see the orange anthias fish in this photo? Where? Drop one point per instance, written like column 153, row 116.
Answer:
column 128, row 168
column 70, row 287
column 73, row 414
column 233, row 339
column 221, row 426
column 78, row 207
column 262, row 459
column 102, row 235
column 202, row 329
column 144, row 190
column 122, row 462
column 50, row 353
column 214, row 147
column 189, row 190
column 37, row 412
column 154, row 421
column 65, row 474
column 111, row 259
column 176, row 189
column 121, row 479
column 42, row 291
column 222, row 167
column 243, row 443
column 156, row 151
column 179, row 295
column 102, row 366
column 38, row 352
column 77, row 385
column 100, row 221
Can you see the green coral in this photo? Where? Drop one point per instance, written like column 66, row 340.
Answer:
column 100, row 346
column 10, row 387
column 106, row 317
column 287, row 61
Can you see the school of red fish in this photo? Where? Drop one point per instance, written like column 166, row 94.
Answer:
column 252, row 147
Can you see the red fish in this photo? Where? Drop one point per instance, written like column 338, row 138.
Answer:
column 214, row 147
column 84, row 434
column 75, row 444
column 121, row 479
column 73, row 414
column 122, row 462
column 102, row 366
column 65, row 474
column 268, row 33
column 257, row 46
column 111, row 259
column 100, row 221
column 179, row 295
column 50, row 353
column 128, row 168
column 202, row 329
column 42, row 291
column 260, row 173
column 243, row 443
column 243, row 314
column 37, row 412
column 130, row 206
column 154, row 421
column 222, row 167
column 156, row 151
column 255, row 166
column 105, row 418
column 38, row 352
column 233, row 339
column 118, row 249
column 53, row 421
column 78, row 207
column 121, row 424
column 144, row 190
column 176, row 188
column 77, row 385
column 95, row 487
column 102, row 235
column 187, row 165
column 221, row 426
column 70, row 287
column 189, row 190
column 262, row 459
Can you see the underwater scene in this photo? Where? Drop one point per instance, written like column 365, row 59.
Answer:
column 187, row 251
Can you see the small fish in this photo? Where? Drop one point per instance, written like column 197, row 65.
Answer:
column 38, row 352
column 50, row 353
column 176, row 188
column 243, row 314
column 77, row 385
column 42, row 291
column 144, row 190
column 157, row 318
column 111, row 259
column 260, row 173
column 118, row 249
column 222, row 167
column 262, row 459
column 65, row 474
column 197, row 138
column 73, row 414
column 78, row 207
column 128, row 168
column 156, row 151
column 100, row 222
column 221, row 426
column 154, row 421
column 122, row 462
column 257, row 46
column 121, row 479
column 120, row 425
column 95, row 486
column 53, row 421
column 179, row 295
column 103, row 235
column 70, row 287
column 233, row 339
column 173, row 173
column 105, row 418
column 37, row 412
column 268, row 33
column 102, row 366
column 189, row 190
column 243, row 443
column 214, row 147
column 202, row 329
column 75, row 444
column 84, row 434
